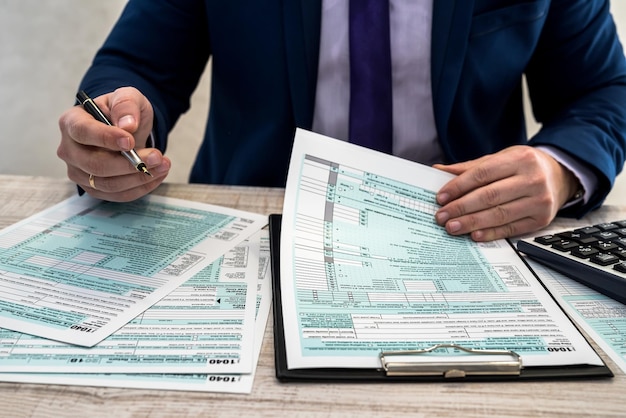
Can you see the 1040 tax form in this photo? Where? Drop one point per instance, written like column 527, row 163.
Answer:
column 84, row 268
column 365, row 269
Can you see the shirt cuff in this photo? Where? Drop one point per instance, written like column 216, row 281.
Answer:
column 585, row 176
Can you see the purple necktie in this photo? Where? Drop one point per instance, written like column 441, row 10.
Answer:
column 370, row 75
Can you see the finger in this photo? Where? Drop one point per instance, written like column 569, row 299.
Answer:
column 119, row 184
column 479, row 175
column 120, row 188
column 505, row 217
column 457, row 168
column 131, row 111
column 125, row 108
column 103, row 163
column 492, row 217
column 83, row 129
column 517, row 228
column 126, row 195
column 494, row 194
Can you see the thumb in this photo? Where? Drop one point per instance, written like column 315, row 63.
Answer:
column 125, row 109
column 128, row 123
column 131, row 111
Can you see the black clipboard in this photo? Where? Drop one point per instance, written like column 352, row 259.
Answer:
column 401, row 372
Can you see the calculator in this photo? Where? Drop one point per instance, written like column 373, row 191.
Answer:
column 594, row 255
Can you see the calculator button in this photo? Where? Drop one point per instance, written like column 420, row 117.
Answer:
column 578, row 237
column 588, row 239
column 584, row 251
column 547, row 239
column 605, row 246
column 588, row 230
column 564, row 245
column 606, row 235
column 608, row 226
column 620, row 252
column 604, row 259
column 621, row 267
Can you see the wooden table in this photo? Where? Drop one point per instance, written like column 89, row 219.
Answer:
column 23, row 196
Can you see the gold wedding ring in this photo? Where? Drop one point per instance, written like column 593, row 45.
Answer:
column 92, row 182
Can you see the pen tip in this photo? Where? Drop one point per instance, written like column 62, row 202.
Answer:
column 142, row 167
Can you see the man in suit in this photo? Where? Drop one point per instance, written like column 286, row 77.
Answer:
column 457, row 70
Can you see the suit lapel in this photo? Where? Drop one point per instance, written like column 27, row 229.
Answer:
column 451, row 27
column 302, row 38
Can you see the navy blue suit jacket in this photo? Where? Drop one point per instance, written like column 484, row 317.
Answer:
column 264, row 68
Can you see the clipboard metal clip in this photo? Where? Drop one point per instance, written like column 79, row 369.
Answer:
column 473, row 362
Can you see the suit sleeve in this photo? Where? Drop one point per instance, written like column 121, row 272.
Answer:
column 577, row 84
column 161, row 47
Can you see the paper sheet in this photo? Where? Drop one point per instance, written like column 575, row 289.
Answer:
column 602, row 318
column 365, row 269
column 229, row 383
column 82, row 269
column 204, row 326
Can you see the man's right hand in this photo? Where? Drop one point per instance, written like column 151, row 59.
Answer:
column 90, row 147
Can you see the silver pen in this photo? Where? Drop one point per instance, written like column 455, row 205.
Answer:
column 92, row 108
